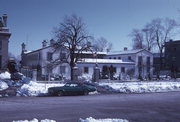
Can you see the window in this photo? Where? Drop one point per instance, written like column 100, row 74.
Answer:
column 63, row 56
column 86, row 70
column 0, row 61
column 148, row 64
column 109, row 57
column 49, row 56
column 139, row 60
column 129, row 57
column 119, row 57
column 148, row 61
column 114, row 69
column 114, row 57
column 0, row 44
column 123, row 69
column 62, row 69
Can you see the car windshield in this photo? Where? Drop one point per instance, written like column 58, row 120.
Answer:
column 71, row 84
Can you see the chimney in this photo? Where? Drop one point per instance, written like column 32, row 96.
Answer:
column 125, row 48
column 52, row 42
column 23, row 47
column 4, row 20
column 44, row 43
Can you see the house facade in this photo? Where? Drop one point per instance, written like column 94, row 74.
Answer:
column 49, row 61
column 142, row 59
column 4, row 41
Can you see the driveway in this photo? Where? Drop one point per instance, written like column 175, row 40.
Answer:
column 150, row 107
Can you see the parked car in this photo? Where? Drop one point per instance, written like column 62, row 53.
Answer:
column 72, row 88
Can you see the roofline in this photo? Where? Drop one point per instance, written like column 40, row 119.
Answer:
column 37, row 50
column 130, row 53
column 131, row 63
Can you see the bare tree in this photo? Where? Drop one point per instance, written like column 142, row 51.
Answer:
column 72, row 34
column 163, row 30
column 137, row 39
column 102, row 44
column 149, row 36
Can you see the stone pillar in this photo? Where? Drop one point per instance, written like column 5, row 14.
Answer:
column 96, row 73
column 75, row 73
column 34, row 75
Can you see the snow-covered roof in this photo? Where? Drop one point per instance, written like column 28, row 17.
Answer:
column 28, row 51
column 90, row 52
column 126, row 52
column 109, row 61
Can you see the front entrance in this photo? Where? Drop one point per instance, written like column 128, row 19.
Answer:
column 108, row 72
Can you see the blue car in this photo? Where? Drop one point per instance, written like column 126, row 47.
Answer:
column 72, row 88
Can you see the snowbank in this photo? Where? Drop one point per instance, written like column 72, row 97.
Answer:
column 3, row 85
column 85, row 77
column 90, row 119
column 5, row 75
column 35, row 120
column 35, row 89
column 141, row 87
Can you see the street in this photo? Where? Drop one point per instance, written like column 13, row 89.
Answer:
column 149, row 107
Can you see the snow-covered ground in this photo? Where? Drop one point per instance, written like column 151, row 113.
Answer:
column 141, row 87
column 35, row 120
column 5, row 75
column 90, row 119
column 3, row 85
column 35, row 89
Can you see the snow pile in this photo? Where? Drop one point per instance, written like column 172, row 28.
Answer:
column 35, row 89
column 3, row 85
column 141, row 87
column 90, row 119
column 5, row 75
column 85, row 77
column 35, row 120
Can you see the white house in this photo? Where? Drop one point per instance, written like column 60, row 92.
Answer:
column 49, row 61
column 142, row 58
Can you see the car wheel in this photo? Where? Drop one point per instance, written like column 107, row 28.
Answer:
column 86, row 92
column 60, row 93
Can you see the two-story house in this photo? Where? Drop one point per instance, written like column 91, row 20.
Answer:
column 142, row 59
column 49, row 61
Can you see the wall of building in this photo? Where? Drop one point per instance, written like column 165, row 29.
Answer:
column 4, row 41
column 91, row 67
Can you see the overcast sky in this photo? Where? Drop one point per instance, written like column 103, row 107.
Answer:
column 32, row 21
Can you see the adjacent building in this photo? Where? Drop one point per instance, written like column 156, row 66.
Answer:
column 4, row 41
column 172, row 58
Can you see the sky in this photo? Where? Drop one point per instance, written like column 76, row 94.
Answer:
column 32, row 21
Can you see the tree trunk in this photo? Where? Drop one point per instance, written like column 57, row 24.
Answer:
column 72, row 73
column 72, row 64
column 161, row 60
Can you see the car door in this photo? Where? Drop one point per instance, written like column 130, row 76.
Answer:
column 77, row 88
